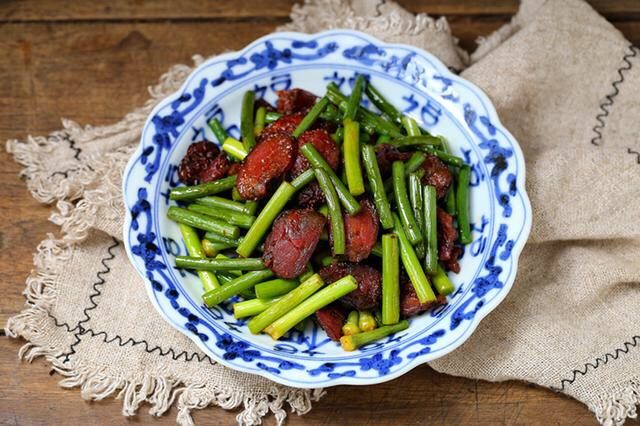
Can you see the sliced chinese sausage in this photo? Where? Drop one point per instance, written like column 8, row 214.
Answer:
column 203, row 162
column 234, row 168
column 323, row 143
column 452, row 263
column 218, row 169
column 293, row 238
column 386, row 155
column 409, row 303
column 263, row 103
column 265, row 165
column 311, row 196
column 331, row 318
column 329, row 126
column 295, row 100
column 361, row 231
column 367, row 295
column 436, row 174
column 286, row 123
column 447, row 236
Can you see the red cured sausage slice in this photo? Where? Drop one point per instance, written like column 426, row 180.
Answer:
column 361, row 231
column 203, row 162
column 331, row 318
column 293, row 238
column 262, row 103
column 266, row 164
column 386, row 155
column 452, row 264
column 295, row 100
column 447, row 235
column 286, row 123
column 311, row 196
column 234, row 168
column 329, row 126
column 436, row 174
column 323, row 143
column 367, row 295
column 409, row 303
column 218, row 169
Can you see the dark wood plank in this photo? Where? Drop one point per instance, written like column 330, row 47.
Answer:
column 424, row 396
column 609, row 8
column 630, row 29
column 96, row 72
column 24, row 224
column 53, row 58
column 31, row 396
column 64, row 10
column 468, row 20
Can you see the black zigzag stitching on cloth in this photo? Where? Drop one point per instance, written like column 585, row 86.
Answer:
column 77, row 151
column 80, row 331
column 72, row 145
column 99, row 281
column 96, row 292
column 61, row 324
column 608, row 102
column 119, row 340
column 609, row 356
column 73, row 169
column 636, row 153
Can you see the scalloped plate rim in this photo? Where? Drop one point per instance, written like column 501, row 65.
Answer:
column 480, row 315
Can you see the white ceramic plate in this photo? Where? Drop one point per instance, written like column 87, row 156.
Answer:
column 418, row 84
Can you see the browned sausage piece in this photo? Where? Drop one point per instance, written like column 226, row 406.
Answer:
column 436, row 174
column 266, row 164
column 447, row 235
column 367, row 295
column 311, row 196
column 234, row 168
column 452, row 264
column 218, row 169
column 329, row 126
column 295, row 100
column 263, row 103
column 203, row 162
column 323, row 143
column 331, row 318
column 409, row 303
column 293, row 238
column 386, row 155
column 286, row 123
column 361, row 231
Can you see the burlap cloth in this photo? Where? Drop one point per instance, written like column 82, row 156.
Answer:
column 564, row 82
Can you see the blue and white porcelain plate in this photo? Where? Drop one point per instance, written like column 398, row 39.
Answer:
column 422, row 87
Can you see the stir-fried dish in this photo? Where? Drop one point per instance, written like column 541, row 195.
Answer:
column 324, row 209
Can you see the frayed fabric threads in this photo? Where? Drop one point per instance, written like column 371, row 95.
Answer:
column 59, row 165
column 619, row 407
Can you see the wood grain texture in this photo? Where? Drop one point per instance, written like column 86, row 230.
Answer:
column 422, row 396
column 91, row 62
column 63, row 10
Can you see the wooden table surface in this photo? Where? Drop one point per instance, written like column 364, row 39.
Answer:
column 91, row 62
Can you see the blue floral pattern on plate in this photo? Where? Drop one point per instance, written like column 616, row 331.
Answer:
column 418, row 84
